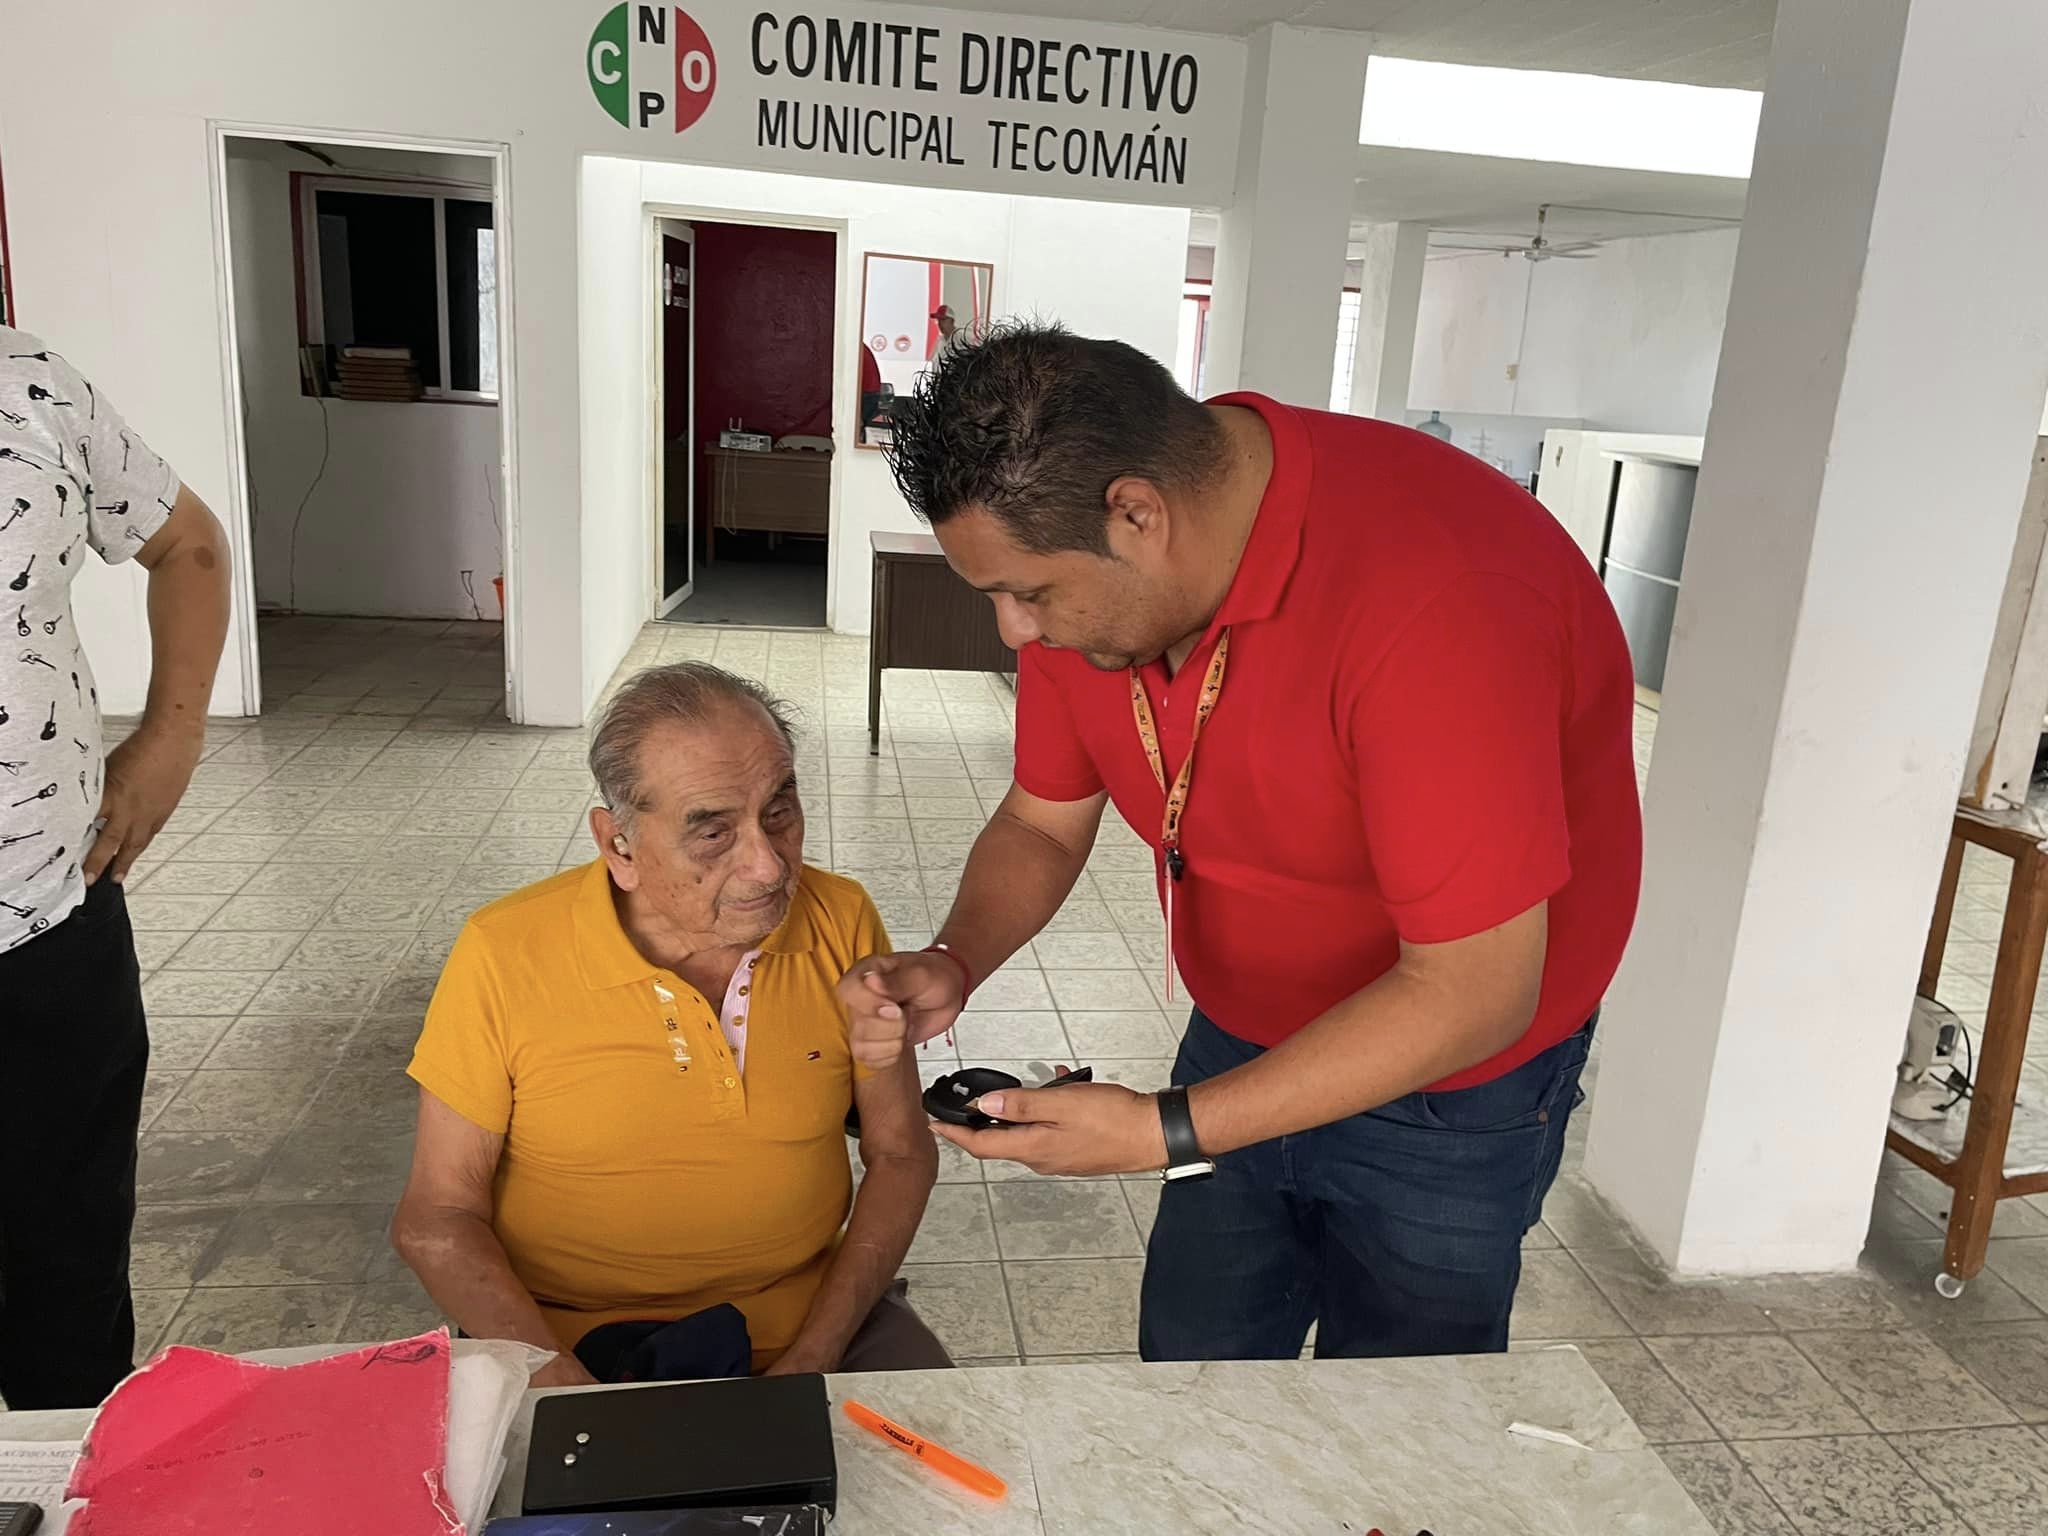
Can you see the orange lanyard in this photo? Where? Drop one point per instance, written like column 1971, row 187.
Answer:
column 1177, row 796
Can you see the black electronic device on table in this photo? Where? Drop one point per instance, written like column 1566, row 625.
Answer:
column 19, row 1519
column 763, row 1520
column 762, row 1440
column 953, row 1096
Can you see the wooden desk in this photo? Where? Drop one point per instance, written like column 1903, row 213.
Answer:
column 776, row 492
column 925, row 616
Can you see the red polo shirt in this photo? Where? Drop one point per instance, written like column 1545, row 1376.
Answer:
column 1424, row 730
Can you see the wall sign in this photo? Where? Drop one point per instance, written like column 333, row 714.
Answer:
column 1016, row 104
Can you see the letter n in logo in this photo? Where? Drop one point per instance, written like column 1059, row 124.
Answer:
column 607, row 64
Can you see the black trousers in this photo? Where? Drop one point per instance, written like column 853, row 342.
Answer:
column 74, row 1049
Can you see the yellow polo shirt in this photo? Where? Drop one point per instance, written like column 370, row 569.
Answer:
column 642, row 1176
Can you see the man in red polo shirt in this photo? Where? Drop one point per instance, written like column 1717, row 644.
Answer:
column 1371, row 708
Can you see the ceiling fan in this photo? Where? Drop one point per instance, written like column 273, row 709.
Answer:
column 1538, row 248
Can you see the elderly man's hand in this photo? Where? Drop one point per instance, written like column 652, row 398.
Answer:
column 897, row 1000
column 1078, row 1129
column 565, row 1370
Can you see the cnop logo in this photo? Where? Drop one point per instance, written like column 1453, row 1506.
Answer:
column 647, row 62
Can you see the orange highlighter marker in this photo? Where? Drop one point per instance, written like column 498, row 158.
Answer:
column 978, row 1479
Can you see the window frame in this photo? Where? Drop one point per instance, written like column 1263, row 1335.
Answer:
column 305, row 225
column 1199, row 291
column 1346, row 364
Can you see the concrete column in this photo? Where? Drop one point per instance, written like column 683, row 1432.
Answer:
column 1280, row 249
column 1389, row 297
column 1879, row 392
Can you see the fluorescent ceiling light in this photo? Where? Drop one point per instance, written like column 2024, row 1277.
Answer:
column 1526, row 114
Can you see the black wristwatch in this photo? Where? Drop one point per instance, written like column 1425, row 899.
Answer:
column 1184, row 1159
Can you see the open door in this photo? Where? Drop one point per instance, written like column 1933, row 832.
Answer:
column 675, row 340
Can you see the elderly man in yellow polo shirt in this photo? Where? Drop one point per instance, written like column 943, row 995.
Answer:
column 634, row 1076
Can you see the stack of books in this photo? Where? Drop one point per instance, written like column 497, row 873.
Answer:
column 378, row 373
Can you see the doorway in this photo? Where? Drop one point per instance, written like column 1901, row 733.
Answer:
column 363, row 300
column 676, row 366
column 743, row 364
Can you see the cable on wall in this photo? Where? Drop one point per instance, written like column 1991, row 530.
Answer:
column 326, row 443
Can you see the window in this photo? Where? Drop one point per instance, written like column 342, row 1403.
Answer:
column 1347, row 350
column 1191, row 354
column 399, row 270
column 1192, row 351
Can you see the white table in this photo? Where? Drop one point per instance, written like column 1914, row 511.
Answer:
column 1281, row 1447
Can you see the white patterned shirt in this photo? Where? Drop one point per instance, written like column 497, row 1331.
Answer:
column 72, row 478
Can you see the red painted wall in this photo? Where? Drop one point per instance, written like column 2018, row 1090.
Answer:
column 765, row 301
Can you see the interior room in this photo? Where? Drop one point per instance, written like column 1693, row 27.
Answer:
column 748, row 329
column 365, row 308
column 1013, row 251
column 449, row 1055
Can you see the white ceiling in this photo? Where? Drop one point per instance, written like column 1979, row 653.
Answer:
column 1478, row 193
column 1485, row 198
column 1695, row 42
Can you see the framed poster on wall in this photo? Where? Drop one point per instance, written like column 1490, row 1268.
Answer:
column 913, row 308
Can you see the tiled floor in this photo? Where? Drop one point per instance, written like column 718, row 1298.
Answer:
column 743, row 587
column 296, row 911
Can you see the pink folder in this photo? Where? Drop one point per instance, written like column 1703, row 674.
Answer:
column 210, row 1445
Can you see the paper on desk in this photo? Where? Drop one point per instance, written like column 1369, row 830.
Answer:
column 1538, row 1432
column 485, row 1391
column 201, row 1444
column 34, row 1472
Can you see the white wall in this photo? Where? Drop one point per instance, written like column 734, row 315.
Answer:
column 1031, row 243
column 1102, row 269
column 1512, row 444
column 406, row 500
column 112, row 222
column 1281, row 244
column 1628, row 341
column 113, row 226
column 614, row 290
column 896, row 302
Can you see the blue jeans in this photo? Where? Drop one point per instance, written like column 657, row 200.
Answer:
column 1396, row 1232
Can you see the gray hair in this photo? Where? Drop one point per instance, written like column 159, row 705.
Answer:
column 681, row 693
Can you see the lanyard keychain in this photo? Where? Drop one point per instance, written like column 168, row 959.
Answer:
column 1177, row 796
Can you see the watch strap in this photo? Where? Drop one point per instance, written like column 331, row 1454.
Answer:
column 1182, row 1147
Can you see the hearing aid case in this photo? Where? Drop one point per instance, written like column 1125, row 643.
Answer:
column 952, row 1097
column 761, row 1440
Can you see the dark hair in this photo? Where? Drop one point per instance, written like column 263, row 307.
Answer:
column 1033, row 423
